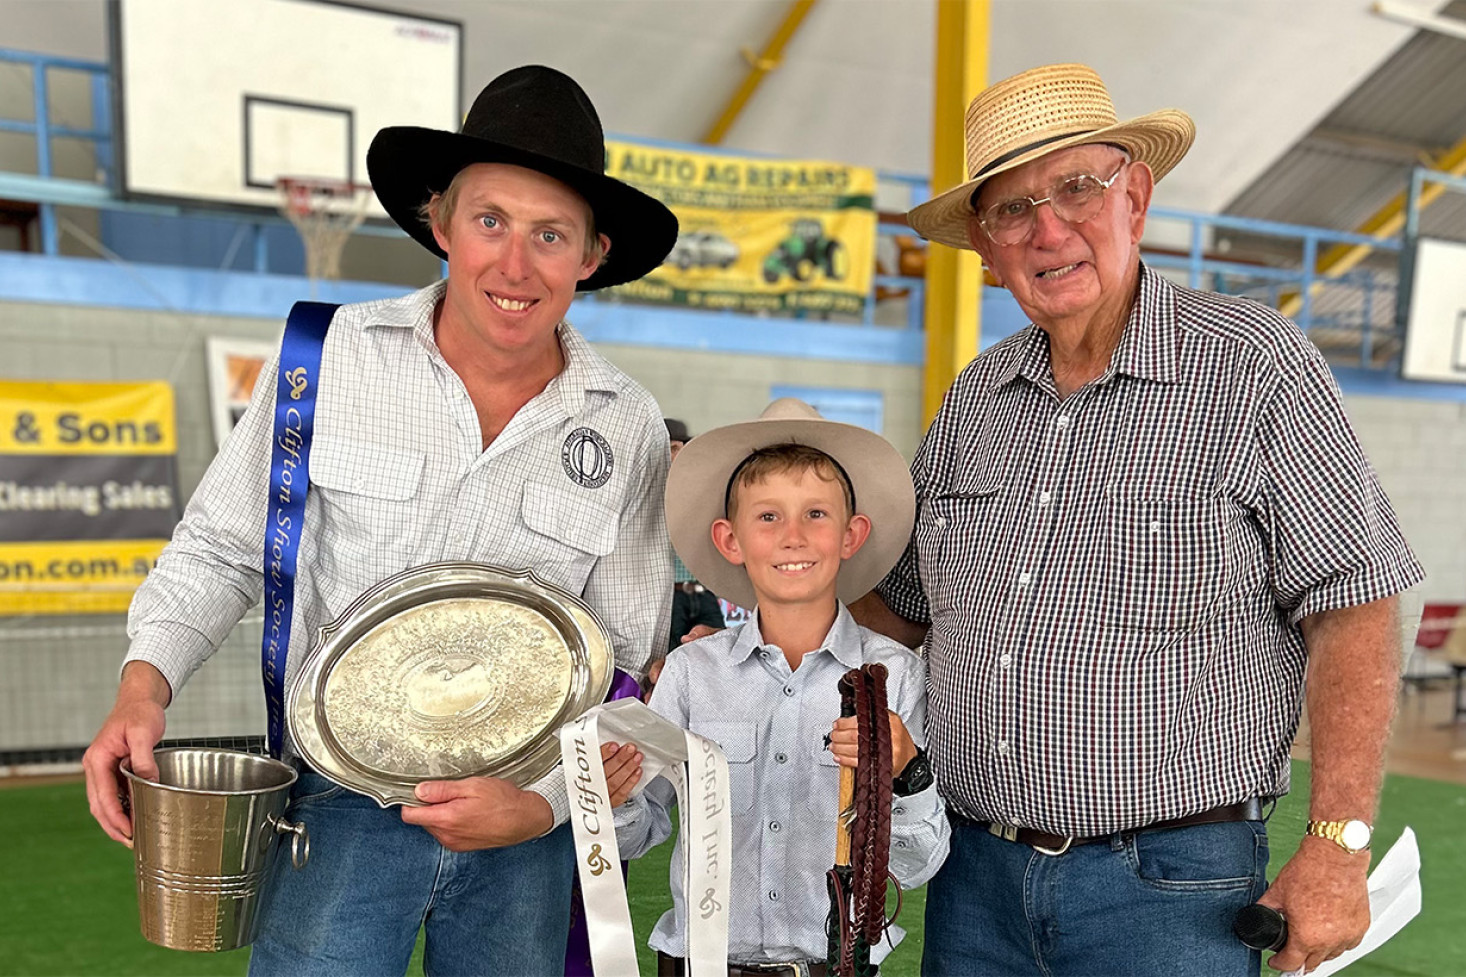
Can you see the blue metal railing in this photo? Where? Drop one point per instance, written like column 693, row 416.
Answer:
column 42, row 129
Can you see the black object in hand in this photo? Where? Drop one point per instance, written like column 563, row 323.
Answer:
column 1261, row 927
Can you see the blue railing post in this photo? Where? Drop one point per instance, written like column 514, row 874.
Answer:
column 1198, row 256
column 50, row 237
column 1310, row 262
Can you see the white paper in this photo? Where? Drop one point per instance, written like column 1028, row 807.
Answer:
column 1394, row 900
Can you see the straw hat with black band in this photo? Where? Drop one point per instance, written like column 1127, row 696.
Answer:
column 538, row 118
column 698, row 487
column 1038, row 112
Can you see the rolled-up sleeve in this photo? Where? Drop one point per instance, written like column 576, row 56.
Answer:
column 1334, row 538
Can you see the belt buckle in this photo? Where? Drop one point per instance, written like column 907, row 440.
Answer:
column 1068, row 843
column 797, row 968
column 1009, row 832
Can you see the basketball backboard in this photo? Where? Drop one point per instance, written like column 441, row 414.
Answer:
column 1435, row 327
column 218, row 101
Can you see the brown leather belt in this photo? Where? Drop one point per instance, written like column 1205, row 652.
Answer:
column 677, row 967
column 1051, row 844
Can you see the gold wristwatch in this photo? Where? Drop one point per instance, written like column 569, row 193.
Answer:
column 1352, row 835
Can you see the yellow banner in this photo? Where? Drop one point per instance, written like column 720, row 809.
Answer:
column 81, row 577
column 88, row 492
column 86, row 418
column 757, row 235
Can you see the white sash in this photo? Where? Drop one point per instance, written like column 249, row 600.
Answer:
column 706, row 833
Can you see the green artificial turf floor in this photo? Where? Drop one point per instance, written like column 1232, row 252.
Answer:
column 67, row 903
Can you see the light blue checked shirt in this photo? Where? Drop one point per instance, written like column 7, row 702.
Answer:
column 770, row 721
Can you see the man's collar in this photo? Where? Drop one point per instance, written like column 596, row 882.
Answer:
column 842, row 640
column 584, row 369
column 1147, row 347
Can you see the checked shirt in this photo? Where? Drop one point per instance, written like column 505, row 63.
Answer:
column 571, row 488
column 1115, row 579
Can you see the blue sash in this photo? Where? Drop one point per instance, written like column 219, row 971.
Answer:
column 295, row 415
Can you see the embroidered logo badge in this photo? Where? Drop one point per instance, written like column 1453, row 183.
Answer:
column 587, row 458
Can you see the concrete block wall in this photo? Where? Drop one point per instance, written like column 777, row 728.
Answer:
column 1418, row 447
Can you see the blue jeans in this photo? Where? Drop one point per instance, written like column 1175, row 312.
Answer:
column 372, row 881
column 1157, row 902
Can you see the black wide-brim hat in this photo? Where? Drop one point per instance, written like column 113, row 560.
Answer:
column 538, row 118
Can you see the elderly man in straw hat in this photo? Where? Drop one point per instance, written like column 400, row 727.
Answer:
column 465, row 421
column 1140, row 520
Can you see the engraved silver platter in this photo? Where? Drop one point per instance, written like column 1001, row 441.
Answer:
column 446, row 671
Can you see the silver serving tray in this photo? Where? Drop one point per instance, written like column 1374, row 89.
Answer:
column 446, row 671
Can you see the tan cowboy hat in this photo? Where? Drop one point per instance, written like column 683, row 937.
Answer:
column 698, row 485
column 1038, row 112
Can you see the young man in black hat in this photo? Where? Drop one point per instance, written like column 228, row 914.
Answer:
column 466, row 421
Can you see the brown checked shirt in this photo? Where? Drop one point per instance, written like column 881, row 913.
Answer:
column 1115, row 580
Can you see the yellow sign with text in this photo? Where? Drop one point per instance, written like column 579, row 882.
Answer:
column 88, row 493
column 757, row 235
column 79, row 577
column 86, row 418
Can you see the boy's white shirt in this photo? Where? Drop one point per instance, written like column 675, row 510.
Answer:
column 771, row 722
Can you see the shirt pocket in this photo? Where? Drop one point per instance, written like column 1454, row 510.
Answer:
column 950, row 530
column 571, row 533
column 739, row 743
column 823, row 794
column 368, row 499
column 1166, row 564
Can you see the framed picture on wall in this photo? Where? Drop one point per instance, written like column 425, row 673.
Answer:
column 234, row 366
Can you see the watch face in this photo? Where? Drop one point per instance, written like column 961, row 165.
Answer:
column 1355, row 835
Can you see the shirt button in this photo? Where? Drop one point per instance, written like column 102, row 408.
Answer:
column 1155, row 527
column 899, row 810
column 788, row 690
column 1005, row 659
column 900, row 844
column 1003, row 747
column 941, row 521
column 781, row 758
column 1023, row 578
column 1044, row 498
column 764, row 655
column 773, row 895
column 773, row 825
column 1062, row 421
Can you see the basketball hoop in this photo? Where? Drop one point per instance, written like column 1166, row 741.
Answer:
column 324, row 212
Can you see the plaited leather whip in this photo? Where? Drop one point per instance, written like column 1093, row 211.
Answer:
column 857, row 883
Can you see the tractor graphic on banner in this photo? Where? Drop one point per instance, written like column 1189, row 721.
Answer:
column 805, row 250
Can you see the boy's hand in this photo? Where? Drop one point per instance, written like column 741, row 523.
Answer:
column 844, row 743
column 623, row 770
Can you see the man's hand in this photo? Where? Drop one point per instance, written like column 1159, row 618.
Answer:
column 1324, row 893
column 845, row 743
column 479, row 812
column 623, row 770
column 131, row 730
column 699, row 631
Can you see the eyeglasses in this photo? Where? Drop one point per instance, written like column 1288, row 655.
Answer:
column 1075, row 201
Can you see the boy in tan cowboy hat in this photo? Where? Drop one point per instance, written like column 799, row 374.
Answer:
column 787, row 514
column 467, row 421
column 1140, row 522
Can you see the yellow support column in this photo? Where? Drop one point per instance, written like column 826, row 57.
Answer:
column 953, row 278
